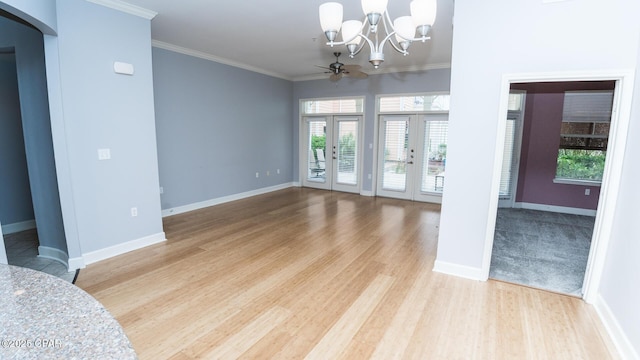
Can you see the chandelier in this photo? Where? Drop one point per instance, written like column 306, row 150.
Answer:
column 423, row 15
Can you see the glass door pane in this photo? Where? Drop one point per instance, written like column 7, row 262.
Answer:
column 316, row 150
column 346, row 152
column 507, row 160
column 395, row 145
column 434, row 154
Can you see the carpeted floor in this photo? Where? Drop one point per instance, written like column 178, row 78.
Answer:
column 541, row 249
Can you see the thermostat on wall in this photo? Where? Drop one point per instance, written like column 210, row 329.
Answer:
column 123, row 68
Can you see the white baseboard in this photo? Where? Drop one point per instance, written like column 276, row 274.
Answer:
column 76, row 263
column 53, row 254
column 462, row 271
column 296, row 184
column 19, row 226
column 106, row 253
column 224, row 199
column 616, row 333
column 554, row 208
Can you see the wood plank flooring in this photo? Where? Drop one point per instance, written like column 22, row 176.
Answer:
column 303, row 273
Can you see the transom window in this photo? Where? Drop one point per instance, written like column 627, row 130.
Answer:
column 417, row 103
column 333, row 106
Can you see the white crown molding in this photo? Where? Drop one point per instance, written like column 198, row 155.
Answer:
column 206, row 56
column 126, row 8
column 387, row 70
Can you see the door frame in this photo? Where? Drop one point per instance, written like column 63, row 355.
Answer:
column 611, row 179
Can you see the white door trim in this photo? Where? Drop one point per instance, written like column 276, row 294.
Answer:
column 612, row 171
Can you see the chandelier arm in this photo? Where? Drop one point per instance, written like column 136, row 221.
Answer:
column 388, row 38
column 361, row 46
column 403, row 52
column 388, row 23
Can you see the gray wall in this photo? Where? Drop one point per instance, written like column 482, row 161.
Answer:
column 541, row 38
column 95, row 108
column 15, row 193
column 216, row 127
column 34, row 108
column 398, row 83
column 621, row 276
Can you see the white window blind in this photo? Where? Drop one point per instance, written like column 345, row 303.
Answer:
column 506, row 177
column 587, row 106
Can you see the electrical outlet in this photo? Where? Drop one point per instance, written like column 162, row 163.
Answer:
column 267, row 172
column 587, row 192
column 257, row 175
column 278, row 171
column 161, row 190
column 369, row 176
column 134, row 211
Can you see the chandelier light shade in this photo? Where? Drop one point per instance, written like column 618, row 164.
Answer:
column 374, row 6
column 400, row 33
column 331, row 19
column 350, row 31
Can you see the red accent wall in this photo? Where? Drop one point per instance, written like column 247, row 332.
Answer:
column 540, row 141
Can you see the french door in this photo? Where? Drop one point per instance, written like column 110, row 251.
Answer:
column 331, row 153
column 412, row 156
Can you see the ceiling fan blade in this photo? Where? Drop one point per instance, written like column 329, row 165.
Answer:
column 357, row 74
column 335, row 77
column 323, row 67
column 351, row 68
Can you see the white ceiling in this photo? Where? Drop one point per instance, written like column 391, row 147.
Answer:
column 283, row 38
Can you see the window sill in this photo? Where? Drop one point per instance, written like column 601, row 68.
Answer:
column 577, row 182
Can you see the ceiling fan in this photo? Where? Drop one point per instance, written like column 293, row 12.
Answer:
column 338, row 69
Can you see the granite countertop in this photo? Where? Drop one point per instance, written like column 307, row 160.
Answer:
column 44, row 317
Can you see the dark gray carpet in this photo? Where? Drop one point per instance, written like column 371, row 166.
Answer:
column 541, row 249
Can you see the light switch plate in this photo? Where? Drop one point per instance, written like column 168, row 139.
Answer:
column 104, row 154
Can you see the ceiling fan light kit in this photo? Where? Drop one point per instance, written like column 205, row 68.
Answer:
column 400, row 33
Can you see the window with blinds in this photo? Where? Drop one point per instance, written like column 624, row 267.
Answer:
column 435, row 148
column 584, row 135
column 586, row 116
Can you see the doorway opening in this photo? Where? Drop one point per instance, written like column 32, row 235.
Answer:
column 32, row 229
column 601, row 209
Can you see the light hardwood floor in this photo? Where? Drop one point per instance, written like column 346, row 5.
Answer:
column 303, row 273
